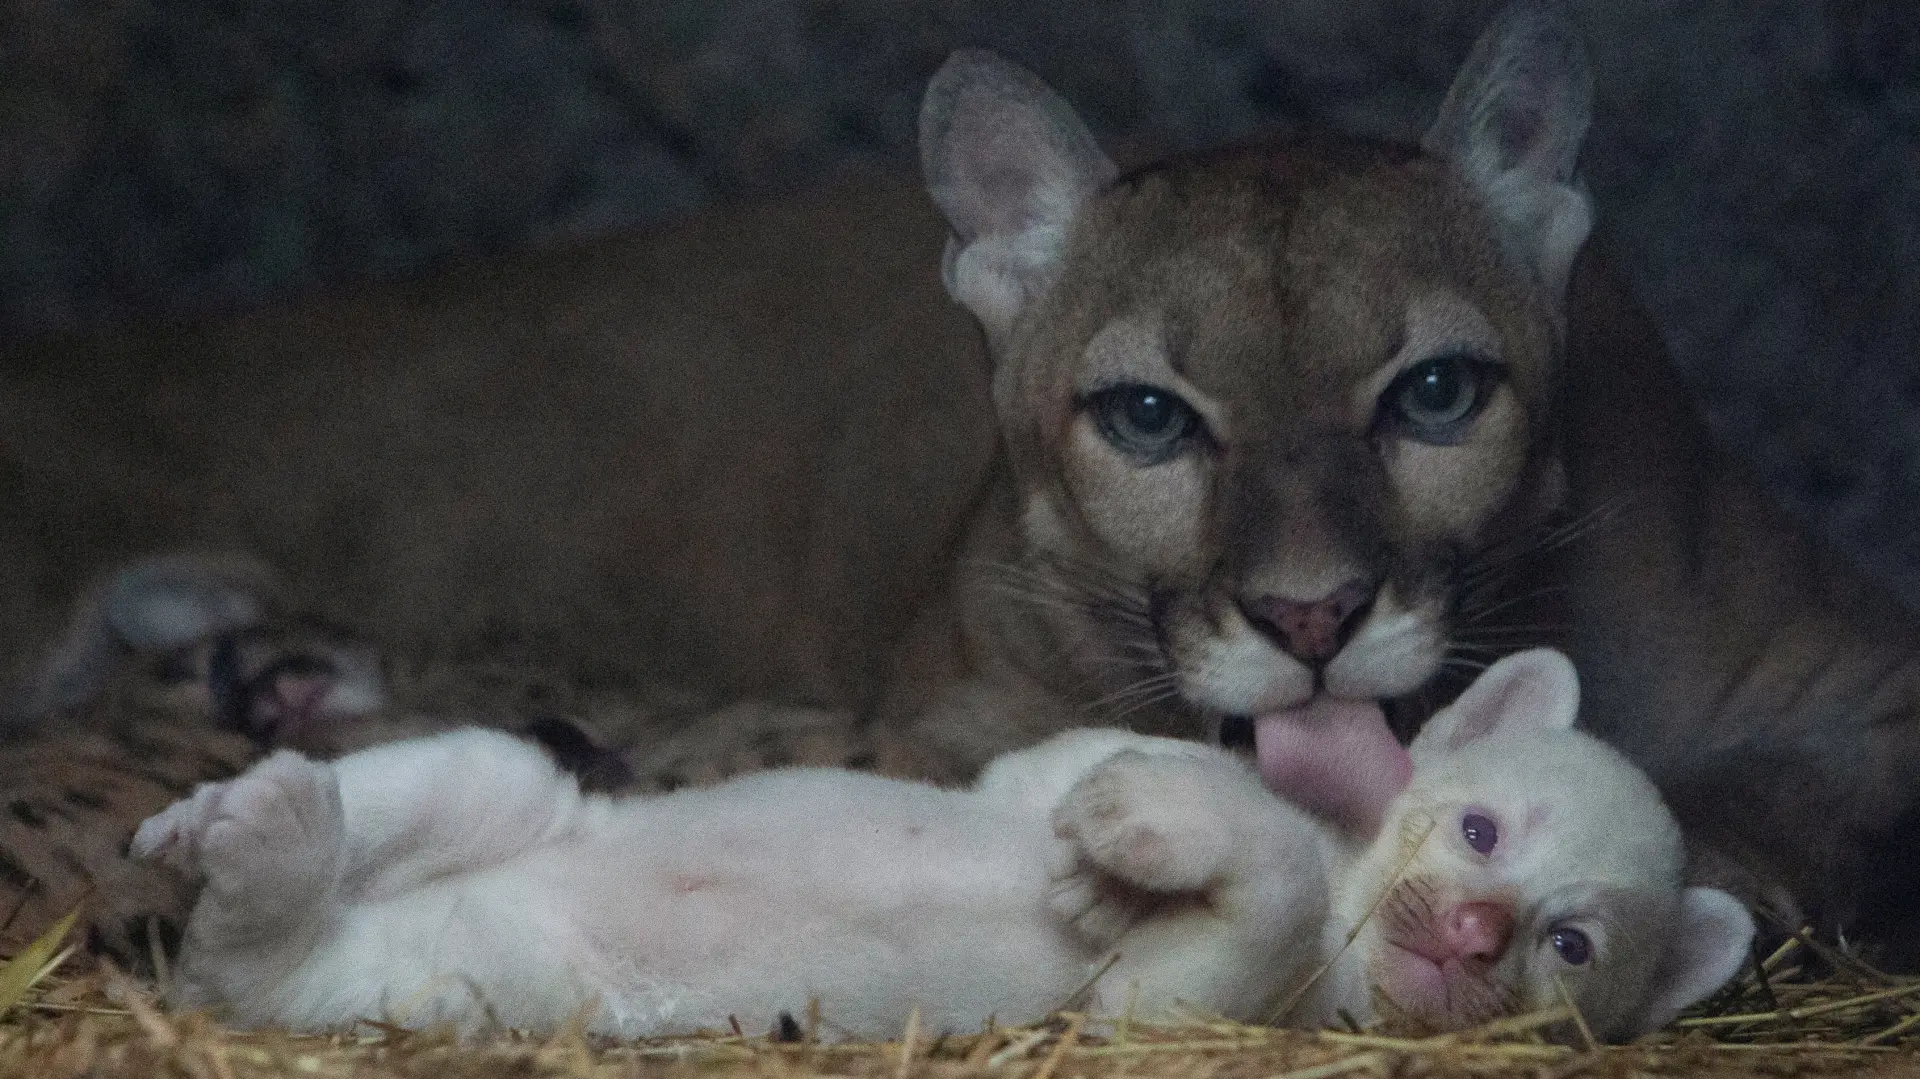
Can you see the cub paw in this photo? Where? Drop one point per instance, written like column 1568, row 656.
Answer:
column 268, row 844
column 172, row 836
column 1098, row 906
column 1152, row 821
column 293, row 684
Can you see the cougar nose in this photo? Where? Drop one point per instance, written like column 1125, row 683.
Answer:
column 1312, row 631
column 1478, row 930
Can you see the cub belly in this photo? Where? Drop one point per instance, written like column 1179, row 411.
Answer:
column 490, row 889
column 872, row 896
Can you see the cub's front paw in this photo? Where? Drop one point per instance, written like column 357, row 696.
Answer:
column 1099, row 906
column 1151, row 820
column 268, row 844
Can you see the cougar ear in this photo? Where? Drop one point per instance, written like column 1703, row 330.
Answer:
column 1513, row 124
column 1010, row 164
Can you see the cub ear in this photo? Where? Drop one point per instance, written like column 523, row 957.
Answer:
column 1713, row 939
column 1512, row 125
column 1010, row 165
column 1532, row 690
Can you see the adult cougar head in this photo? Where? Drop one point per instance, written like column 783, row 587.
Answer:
column 1267, row 406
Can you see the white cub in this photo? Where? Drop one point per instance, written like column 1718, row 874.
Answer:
column 464, row 878
column 1547, row 858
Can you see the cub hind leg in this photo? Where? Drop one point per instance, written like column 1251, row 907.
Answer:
column 380, row 820
column 270, row 847
column 293, row 849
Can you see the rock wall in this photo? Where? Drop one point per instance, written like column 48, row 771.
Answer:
column 1757, row 162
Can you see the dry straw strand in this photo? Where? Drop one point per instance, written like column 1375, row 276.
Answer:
column 909, row 1040
column 1373, row 1062
column 1060, row 1049
column 1579, row 1021
column 1293, row 999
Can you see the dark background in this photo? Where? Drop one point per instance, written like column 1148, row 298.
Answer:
column 1757, row 164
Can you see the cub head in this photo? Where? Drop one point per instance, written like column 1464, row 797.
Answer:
column 1265, row 409
column 1523, row 854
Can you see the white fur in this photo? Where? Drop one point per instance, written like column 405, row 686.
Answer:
column 450, row 877
column 1585, row 843
column 1240, row 671
column 463, row 876
column 1390, row 653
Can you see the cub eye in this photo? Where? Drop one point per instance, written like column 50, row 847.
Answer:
column 1572, row 945
column 1147, row 423
column 1480, row 833
column 1436, row 400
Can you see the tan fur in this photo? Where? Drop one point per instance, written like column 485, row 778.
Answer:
column 731, row 454
column 755, row 453
column 1767, row 688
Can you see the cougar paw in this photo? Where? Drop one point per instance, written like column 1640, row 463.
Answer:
column 288, row 691
column 1150, row 820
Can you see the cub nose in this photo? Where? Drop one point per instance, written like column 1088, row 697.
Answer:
column 1312, row 631
column 1478, row 930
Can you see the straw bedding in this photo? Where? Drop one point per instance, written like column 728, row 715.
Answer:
column 1809, row 1008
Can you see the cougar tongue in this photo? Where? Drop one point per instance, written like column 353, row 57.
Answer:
column 1333, row 757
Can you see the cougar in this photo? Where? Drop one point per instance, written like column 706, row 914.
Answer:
column 1260, row 443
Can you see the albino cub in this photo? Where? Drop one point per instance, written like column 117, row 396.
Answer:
column 464, row 878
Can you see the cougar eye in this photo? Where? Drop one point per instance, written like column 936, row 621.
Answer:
column 1572, row 945
column 1480, row 832
column 1435, row 400
column 1147, row 423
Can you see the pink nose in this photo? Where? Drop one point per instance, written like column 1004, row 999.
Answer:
column 1478, row 930
column 1312, row 631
